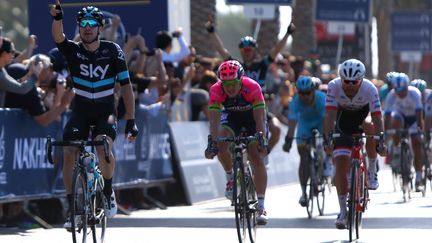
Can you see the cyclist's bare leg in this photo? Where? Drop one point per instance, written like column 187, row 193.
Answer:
column 259, row 169
column 369, row 129
column 396, row 124
column 224, row 155
column 342, row 165
column 417, row 149
column 303, row 169
column 418, row 163
column 107, row 169
column 69, row 157
column 275, row 131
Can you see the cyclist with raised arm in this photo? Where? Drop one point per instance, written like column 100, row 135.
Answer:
column 236, row 102
column 256, row 69
column 404, row 109
column 307, row 111
column 349, row 100
column 95, row 67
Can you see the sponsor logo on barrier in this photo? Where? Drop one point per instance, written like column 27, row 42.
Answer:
column 2, row 148
column 3, row 178
column 29, row 153
column 124, row 150
column 159, row 146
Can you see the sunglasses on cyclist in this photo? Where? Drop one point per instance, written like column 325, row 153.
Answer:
column 304, row 93
column 230, row 82
column 88, row 22
column 247, row 49
column 352, row 82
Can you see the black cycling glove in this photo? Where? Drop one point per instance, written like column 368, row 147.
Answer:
column 291, row 28
column 131, row 128
column 59, row 15
column 288, row 143
column 212, row 149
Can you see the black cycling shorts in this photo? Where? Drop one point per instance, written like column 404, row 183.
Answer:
column 78, row 127
column 349, row 122
column 236, row 121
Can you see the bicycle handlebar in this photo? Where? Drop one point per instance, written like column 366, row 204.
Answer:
column 237, row 139
column 78, row 144
column 356, row 136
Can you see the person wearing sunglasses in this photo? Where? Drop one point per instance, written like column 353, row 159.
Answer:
column 255, row 68
column 236, row 102
column 96, row 68
column 404, row 109
column 307, row 111
column 350, row 99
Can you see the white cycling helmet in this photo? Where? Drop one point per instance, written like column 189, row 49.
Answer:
column 400, row 82
column 352, row 69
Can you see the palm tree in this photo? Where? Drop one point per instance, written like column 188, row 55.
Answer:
column 304, row 38
column 200, row 12
column 382, row 10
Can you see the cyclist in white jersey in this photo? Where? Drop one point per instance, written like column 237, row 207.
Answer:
column 404, row 109
column 349, row 100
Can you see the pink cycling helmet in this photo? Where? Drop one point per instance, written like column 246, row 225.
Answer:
column 230, row 70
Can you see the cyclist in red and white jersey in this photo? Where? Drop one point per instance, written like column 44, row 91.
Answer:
column 236, row 102
column 349, row 100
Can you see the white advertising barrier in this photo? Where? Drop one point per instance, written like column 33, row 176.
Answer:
column 204, row 179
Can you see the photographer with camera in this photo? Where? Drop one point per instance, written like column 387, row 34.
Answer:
column 45, row 101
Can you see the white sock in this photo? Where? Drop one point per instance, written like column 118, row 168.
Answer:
column 343, row 204
column 373, row 165
column 303, row 188
column 418, row 176
column 229, row 175
column 260, row 201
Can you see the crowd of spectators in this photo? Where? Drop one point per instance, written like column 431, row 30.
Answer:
column 36, row 82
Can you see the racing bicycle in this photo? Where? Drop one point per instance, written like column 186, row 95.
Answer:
column 88, row 203
column 358, row 197
column 244, row 194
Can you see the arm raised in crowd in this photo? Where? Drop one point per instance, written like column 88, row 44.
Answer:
column 282, row 42
column 57, row 25
column 28, row 51
column 217, row 40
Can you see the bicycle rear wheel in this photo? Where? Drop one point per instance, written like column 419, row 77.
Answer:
column 352, row 200
column 79, row 208
column 240, row 202
column 252, row 205
column 98, row 220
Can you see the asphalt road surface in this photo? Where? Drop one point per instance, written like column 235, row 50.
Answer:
column 387, row 219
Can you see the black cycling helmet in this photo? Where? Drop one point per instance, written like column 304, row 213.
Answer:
column 247, row 41
column 91, row 12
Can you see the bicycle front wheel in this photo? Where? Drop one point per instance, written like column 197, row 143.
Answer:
column 363, row 197
column 98, row 220
column 406, row 172
column 79, row 207
column 252, row 205
column 352, row 200
column 240, row 201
